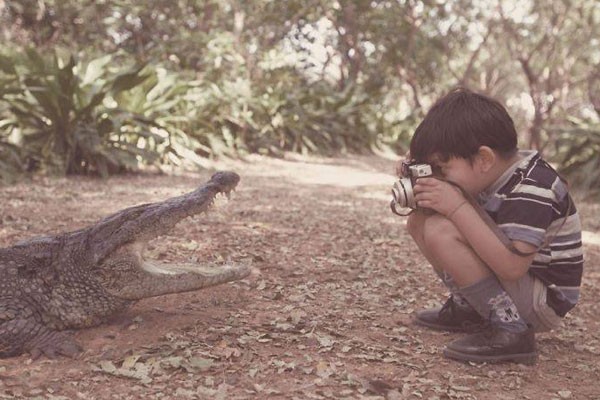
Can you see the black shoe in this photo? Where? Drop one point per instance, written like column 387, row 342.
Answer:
column 451, row 317
column 494, row 345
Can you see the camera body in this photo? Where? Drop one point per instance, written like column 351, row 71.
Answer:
column 402, row 190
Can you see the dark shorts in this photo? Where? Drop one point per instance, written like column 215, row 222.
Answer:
column 529, row 295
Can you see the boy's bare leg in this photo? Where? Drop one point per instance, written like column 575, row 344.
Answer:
column 444, row 246
column 456, row 315
column 415, row 225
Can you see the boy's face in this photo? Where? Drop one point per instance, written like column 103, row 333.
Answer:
column 460, row 171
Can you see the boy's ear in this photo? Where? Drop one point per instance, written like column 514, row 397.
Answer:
column 487, row 158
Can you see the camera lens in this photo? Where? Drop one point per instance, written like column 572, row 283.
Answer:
column 403, row 194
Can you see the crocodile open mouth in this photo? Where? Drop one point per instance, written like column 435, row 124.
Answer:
column 127, row 274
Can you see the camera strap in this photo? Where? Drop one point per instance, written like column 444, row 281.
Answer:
column 395, row 210
column 500, row 233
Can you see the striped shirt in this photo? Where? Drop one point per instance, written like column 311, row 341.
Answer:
column 529, row 202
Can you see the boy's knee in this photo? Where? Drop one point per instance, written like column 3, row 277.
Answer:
column 414, row 225
column 438, row 230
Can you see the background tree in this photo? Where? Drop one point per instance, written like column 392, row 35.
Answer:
column 304, row 75
column 554, row 44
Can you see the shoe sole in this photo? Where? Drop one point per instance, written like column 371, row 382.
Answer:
column 521, row 358
column 444, row 328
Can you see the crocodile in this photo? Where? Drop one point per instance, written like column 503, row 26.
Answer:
column 53, row 284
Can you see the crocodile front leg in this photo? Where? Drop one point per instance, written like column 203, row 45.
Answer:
column 25, row 333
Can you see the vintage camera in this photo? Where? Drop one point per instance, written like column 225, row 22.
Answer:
column 402, row 190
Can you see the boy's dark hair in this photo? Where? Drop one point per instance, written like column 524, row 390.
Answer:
column 459, row 123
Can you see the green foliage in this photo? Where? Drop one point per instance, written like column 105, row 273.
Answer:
column 227, row 112
column 232, row 76
column 238, row 116
column 578, row 149
column 11, row 165
column 71, row 117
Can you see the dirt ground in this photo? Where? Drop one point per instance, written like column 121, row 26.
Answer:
column 326, row 315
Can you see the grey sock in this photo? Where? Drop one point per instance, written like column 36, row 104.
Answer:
column 491, row 301
column 457, row 297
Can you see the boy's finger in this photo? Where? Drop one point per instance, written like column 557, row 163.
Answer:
column 422, row 196
column 426, row 181
column 421, row 187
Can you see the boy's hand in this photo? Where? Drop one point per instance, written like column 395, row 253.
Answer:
column 438, row 195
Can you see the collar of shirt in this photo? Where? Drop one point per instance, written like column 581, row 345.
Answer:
column 525, row 157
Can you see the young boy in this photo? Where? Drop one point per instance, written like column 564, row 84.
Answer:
column 498, row 294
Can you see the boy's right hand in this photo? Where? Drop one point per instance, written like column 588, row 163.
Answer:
column 438, row 195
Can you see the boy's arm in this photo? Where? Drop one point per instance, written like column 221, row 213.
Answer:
column 505, row 264
column 449, row 201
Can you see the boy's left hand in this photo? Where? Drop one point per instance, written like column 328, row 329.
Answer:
column 437, row 195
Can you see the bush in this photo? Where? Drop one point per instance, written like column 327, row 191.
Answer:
column 578, row 151
column 70, row 117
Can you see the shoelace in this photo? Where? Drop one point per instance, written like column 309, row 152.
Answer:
column 448, row 306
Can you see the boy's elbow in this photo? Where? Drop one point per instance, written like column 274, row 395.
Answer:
column 510, row 267
column 512, row 274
